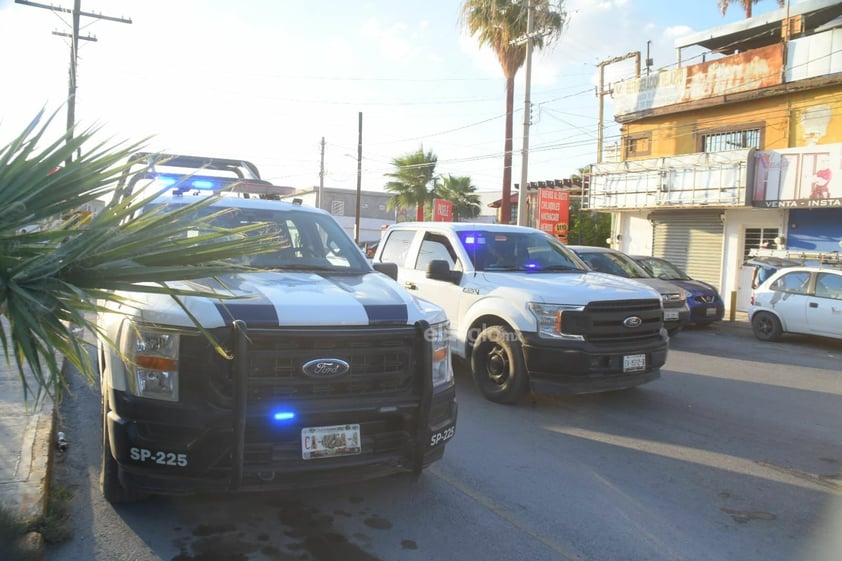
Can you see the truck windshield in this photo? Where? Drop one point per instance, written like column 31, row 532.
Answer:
column 518, row 251
column 296, row 240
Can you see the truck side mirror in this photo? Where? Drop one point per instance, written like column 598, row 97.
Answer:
column 388, row 269
column 439, row 269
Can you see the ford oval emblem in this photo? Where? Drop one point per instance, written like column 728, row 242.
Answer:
column 326, row 368
column 632, row 321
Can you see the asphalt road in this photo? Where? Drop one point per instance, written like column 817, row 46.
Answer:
column 734, row 454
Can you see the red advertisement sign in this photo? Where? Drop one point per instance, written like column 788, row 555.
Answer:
column 554, row 212
column 442, row 211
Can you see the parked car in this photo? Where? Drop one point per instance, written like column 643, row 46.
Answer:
column 706, row 305
column 614, row 262
column 804, row 300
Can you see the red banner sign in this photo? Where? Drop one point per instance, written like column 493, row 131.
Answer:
column 442, row 211
column 554, row 212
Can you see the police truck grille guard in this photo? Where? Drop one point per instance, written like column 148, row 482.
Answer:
column 408, row 359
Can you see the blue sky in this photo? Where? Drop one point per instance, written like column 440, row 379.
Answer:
column 266, row 80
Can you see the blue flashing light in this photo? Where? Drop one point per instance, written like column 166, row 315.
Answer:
column 202, row 184
column 532, row 265
column 183, row 184
column 283, row 415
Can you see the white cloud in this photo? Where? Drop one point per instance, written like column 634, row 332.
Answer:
column 483, row 59
column 394, row 42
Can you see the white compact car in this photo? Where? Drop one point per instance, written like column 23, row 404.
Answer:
column 804, row 300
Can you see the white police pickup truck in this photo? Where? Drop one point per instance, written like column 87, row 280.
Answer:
column 526, row 312
column 334, row 372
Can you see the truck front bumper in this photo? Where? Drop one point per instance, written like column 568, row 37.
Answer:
column 579, row 367
column 158, row 455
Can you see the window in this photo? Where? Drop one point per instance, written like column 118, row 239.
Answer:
column 794, row 283
column 759, row 237
column 639, row 144
column 397, row 247
column 720, row 141
column 436, row 247
column 337, row 208
column 829, row 285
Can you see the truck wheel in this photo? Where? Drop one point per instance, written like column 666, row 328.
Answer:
column 109, row 480
column 766, row 326
column 497, row 365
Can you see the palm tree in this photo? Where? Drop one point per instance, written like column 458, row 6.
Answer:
column 747, row 4
column 412, row 180
column 462, row 193
column 500, row 24
column 55, row 267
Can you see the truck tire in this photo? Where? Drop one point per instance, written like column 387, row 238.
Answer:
column 497, row 365
column 766, row 326
column 109, row 479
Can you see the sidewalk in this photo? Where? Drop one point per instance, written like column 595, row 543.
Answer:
column 26, row 442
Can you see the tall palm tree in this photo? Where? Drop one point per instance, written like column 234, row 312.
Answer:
column 500, row 24
column 747, row 4
column 462, row 193
column 54, row 267
column 412, row 180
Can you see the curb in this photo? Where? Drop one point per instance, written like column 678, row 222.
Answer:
column 34, row 499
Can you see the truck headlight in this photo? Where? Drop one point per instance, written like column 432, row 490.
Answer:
column 442, row 369
column 550, row 319
column 152, row 357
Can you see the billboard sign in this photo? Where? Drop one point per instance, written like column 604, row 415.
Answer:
column 442, row 210
column 806, row 177
column 554, row 212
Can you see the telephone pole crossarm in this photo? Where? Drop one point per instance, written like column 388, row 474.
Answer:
column 601, row 92
column 76, row 13
column 69, row 11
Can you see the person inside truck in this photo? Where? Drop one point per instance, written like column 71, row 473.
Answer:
column 502, row 255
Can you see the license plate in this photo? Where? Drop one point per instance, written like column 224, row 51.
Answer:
column 329, row 442
column 711, row 311
column 634, row 363
column 670, row 315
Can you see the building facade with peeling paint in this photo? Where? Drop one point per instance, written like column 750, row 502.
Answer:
column 740, row 149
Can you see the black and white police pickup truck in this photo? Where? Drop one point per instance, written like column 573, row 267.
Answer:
column 526, row 312
column 335, row 372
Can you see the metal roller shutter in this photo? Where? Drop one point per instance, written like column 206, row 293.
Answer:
column 692, row 240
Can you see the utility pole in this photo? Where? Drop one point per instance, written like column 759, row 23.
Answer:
column 522, row 217
column 359, row 179
column 320, row 194
column 76, row 14
column 602, row 92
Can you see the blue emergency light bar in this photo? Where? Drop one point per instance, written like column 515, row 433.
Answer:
column 183, row 184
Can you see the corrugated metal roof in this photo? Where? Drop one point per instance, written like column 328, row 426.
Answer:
column 762, row 30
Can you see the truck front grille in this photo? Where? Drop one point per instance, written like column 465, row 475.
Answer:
column 382, row 362
column 605, row 322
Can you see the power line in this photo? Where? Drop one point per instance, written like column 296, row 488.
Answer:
column 76, row 13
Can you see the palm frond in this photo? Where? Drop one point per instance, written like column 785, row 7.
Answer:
column 56, row 270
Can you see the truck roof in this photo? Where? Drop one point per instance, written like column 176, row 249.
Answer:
column 238, row 202
column 466, row 226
